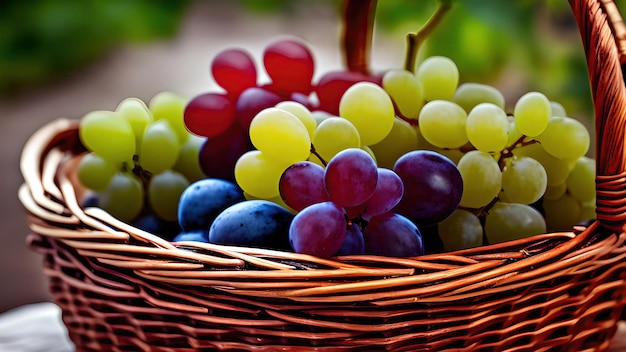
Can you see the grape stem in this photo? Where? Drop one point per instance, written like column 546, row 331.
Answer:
column 358, row 21
column 314, row 152
column 415, row 40
column 508, row 151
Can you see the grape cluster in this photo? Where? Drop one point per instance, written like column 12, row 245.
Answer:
column 140, row 158
column 524, row 172
column 345, row 209
column 387, row 164
column 225, row 117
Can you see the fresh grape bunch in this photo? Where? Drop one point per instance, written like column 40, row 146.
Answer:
column 140, row 159
column 479, row 174
column 524, row 172
column 385, row 164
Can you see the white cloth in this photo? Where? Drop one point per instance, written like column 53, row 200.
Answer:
column 34, row 328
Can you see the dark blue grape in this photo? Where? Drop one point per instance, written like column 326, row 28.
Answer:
column 157, row 226
column 253, row 223
column 204, row 200
column 193, row 236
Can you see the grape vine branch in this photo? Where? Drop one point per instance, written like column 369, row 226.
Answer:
column 416, row 40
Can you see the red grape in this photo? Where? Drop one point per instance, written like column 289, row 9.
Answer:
column 209, row 114
column 234, row 70
column 302, row 184
column 218, row 155
column 319, row 229
column 432, row 186
column 332, row 85
column 351, row 177
column 393, row 235
column 290, row 65
column 251, row 102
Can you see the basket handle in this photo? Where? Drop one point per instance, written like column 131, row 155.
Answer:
column 603, row 34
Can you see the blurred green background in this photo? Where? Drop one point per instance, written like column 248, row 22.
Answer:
column 528, row 44
column 44, row 39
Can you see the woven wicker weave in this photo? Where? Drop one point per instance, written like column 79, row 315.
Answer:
column 122, row 289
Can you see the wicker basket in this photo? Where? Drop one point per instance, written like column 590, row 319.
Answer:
column 122, row 289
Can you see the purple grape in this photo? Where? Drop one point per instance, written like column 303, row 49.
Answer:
column 392, row 235
column 218, row 155
column 388, row 192
column 351, row 177
column 319, row 230
column 432, row 186
column 253, row 223
column 354, row 243
column 251, row 102
column 202, row 201
column 302, row 184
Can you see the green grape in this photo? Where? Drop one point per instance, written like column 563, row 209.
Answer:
column 124, row 196
column 443, row 124
column 369, row 151
column 588, row 210
column 556, row 169
column 482, row 179
column 514, row 133
column 511, row 221
column 159, row 148
column 439, row 78
column 532, row 113
column 557, row 109
column 258, row 175
column 169, row 106
column 562, row 213
column 565, row 138
column 280, row 135
column 460, row 230
column 453, row 154
column 370, row 110
column 314, row 159
column 468, row 95
column 401, row 139
column 524, row 180
column 108, row 135
column 334, row 135
column 302, row 113
column 320, row 115
column 488, row 127
column 556, row 191
column 422, row 143
column 95, row 172
column 581, row 182
column 406, row 92
column 137, row 114
column 188, row 162
column 164, row 191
